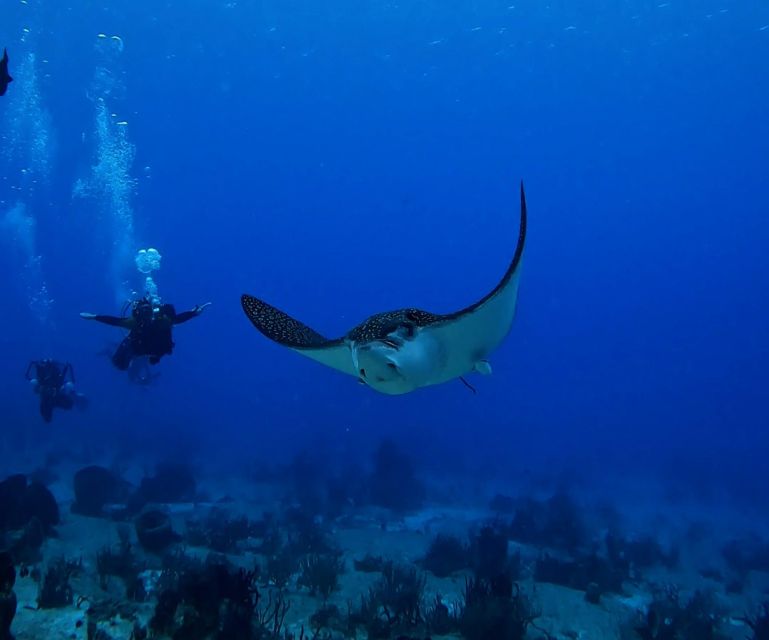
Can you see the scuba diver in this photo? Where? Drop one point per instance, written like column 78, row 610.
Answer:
column 150, row 328
column 54, row 382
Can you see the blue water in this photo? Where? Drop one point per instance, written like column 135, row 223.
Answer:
column 343, row 158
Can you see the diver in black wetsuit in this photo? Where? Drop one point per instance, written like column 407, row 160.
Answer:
column 54, row 382
column 150, row 330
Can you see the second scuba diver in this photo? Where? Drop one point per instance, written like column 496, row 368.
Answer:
column 54, row 382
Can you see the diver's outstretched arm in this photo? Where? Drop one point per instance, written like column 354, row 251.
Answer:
column 113, row 321
column 31, row 364
column 68, row 369
column 188, row 315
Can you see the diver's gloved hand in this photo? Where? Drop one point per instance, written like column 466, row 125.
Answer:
column 87, row 316
column 200, row 307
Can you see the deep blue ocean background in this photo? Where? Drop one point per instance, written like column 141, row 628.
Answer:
column 342, row 158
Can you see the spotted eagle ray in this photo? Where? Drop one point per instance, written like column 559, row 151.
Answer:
column 396, row 352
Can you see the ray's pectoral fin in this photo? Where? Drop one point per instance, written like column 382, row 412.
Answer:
column 289, row 332
column 471, row 334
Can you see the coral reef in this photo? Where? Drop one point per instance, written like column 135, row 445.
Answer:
column 219, row 532
column 370, row 564
column 600, row 571
column 320, row 573
column 121, row 562
column 103, row 616
column 291, row 551
column 28, row 513
column 7, row 595
column 488, row 552
column 629, row 554
column 495, row 609
column 280, row 567
column 394, row 605
column 25, row 544
column 55, row 590
column 318, row 487
column 96, row 487
column 154, row 530
column 588, row 572
column 305, row 533
column 215, row 600
column 172, row 483
column 668, row 618
column 759, row 624
column 746, row 554
column 328, row 619
column 555, row 523
column 446, row 555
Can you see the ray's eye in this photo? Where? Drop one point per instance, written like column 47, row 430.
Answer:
column 363, row 373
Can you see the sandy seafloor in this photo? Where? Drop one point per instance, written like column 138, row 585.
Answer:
column 565, row 614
